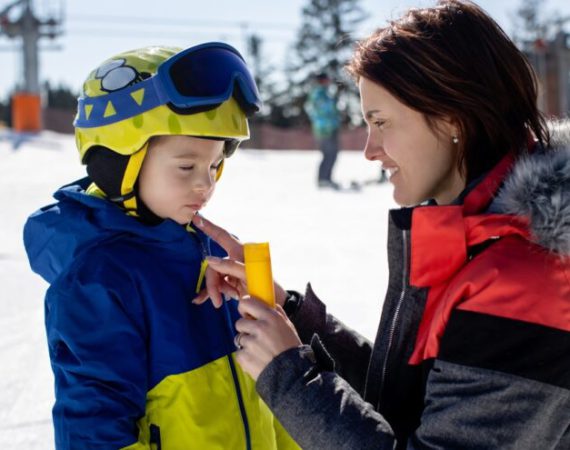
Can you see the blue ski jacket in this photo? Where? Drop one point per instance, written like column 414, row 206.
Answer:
column 321, row 109
column 136, row 364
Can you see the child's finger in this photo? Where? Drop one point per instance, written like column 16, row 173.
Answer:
column 237, row 284
column 230, row 291
column 213, row 286
column 201, row 297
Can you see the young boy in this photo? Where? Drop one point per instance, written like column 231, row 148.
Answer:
column 136, row 364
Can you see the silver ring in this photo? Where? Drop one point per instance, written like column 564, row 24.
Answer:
column 237, row 338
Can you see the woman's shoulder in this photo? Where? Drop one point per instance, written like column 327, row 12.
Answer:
column 518, row 279
column 538, row 188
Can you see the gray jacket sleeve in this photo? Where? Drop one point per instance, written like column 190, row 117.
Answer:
column 318, row 408
column 349, row 350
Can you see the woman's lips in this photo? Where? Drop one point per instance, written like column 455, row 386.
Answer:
column 391, row 170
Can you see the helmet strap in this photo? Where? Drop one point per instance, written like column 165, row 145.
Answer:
column 128, row 196
column 220, row 170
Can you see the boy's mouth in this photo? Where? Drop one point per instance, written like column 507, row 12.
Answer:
column 196, row 206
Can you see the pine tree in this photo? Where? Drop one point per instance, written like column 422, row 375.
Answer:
column 263, row 74
column 5, row 115
column 60, row 97
column 324, row 43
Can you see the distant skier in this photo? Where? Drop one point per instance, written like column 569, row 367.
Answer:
column 325, row 120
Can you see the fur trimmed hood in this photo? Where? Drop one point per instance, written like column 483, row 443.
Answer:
column 539, row 188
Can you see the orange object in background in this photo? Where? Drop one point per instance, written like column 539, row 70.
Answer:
column 26, row 112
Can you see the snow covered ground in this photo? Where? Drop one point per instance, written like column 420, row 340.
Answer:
column 336, row 240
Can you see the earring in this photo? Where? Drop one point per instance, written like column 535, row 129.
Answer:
column 454, row 139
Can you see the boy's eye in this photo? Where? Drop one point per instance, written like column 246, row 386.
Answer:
column 216, row 166
column 186, row 168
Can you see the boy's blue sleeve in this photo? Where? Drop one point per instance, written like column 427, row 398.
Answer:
column 98, row 354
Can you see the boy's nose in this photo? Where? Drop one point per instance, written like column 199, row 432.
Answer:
column 204, row 183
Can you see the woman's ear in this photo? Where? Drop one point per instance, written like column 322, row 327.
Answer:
column 452, row 130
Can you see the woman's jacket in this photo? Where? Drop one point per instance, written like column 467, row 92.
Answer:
column 473, row 345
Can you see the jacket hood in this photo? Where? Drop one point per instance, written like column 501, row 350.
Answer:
column 538, row 188
column 57, row 233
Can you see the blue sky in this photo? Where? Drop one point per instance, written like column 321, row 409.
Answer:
column 96, row 30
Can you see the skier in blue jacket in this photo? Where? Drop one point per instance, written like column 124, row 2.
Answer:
column 136, row 364
column 325, row 121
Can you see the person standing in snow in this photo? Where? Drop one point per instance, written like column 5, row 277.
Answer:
column 473, row 342
column 325, row 121
column 136, row 365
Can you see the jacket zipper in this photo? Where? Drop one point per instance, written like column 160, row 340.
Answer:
column 235, row 379
column 392, row 328
column 237, row 386
column 240, row 402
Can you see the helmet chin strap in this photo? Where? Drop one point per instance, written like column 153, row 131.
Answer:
column 128, row 196
column 220, row 170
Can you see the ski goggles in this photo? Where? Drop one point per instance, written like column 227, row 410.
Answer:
column 194, row 80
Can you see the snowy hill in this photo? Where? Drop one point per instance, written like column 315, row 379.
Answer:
column 335, row 240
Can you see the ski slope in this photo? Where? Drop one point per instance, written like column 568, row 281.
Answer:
column 335, row 240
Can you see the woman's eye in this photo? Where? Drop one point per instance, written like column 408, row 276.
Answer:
column 379, row 124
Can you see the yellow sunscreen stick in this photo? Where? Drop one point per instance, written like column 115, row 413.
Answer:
column 258, row 272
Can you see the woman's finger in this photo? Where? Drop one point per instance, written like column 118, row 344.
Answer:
column 254, row 308
column 281, row 311
column 228, row 242
column 227, row 267
column 247, row 326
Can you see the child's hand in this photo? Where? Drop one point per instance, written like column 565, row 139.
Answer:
column 226, row 276
column 218, row 283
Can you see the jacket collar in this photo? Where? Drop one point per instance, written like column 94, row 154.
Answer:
column 442, row 235
column 108, row 216
column 528, row 197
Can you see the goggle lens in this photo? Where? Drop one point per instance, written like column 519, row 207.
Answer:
column 211, row 73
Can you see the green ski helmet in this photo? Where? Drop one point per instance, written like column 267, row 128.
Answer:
column 204, row 91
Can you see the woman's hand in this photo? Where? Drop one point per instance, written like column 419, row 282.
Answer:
column 264, row 333
column 226, row 276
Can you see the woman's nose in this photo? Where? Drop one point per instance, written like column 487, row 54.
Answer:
column 373, row 149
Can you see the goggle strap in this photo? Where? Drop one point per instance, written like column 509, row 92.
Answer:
column 114, row 107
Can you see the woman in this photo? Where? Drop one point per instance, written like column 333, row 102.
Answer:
column 473, row 343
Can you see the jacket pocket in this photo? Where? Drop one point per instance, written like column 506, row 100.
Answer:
column 155, row 437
